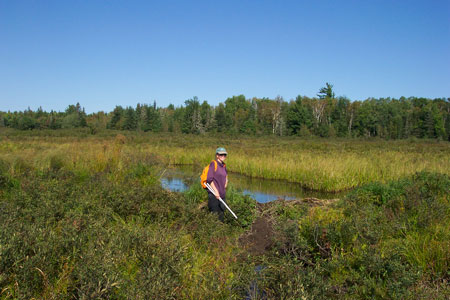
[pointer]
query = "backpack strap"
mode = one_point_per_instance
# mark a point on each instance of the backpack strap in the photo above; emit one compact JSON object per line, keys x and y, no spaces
{"x":215,"y":165}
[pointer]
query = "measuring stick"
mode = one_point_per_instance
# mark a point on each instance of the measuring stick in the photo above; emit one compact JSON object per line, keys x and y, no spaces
{"x":223,"y":202}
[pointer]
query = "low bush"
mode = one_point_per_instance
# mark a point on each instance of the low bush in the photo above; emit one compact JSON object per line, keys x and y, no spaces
{"x":382,"y":241}
{"x":242,"y":205}
{"x":113,"y":237}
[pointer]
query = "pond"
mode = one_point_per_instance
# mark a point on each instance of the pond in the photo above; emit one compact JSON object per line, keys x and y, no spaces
{"x":179,"y":178}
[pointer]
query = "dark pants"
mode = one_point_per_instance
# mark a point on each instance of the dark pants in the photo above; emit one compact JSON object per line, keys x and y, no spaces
{"x":216,"y":206}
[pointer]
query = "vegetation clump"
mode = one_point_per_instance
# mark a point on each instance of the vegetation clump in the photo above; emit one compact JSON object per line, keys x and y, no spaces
{"x":385,"y":241}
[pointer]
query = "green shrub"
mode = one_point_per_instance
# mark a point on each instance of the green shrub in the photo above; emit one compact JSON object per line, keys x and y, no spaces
{"x":195,"y":194}
{"x":381,"y":242}
{"x":242,"y":205}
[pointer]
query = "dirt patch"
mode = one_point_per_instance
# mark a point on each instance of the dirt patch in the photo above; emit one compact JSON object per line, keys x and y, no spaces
{"x":259,"y":239}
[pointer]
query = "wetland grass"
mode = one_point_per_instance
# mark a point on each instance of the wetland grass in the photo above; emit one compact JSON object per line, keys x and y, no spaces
{"x":315,"y":164}
{"x":327,"y":165}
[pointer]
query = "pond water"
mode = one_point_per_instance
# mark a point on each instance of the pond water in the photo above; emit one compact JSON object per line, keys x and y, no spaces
{"x":179,"y":178}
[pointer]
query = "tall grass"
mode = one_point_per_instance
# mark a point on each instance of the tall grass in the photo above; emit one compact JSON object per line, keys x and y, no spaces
{"x":316,"y":164}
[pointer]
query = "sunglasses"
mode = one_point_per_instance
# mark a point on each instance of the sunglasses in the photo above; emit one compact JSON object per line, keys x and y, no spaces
{"x":222,"y":154}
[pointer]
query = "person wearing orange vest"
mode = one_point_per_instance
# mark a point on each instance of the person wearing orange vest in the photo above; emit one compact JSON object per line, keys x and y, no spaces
{"x":218,"y":179}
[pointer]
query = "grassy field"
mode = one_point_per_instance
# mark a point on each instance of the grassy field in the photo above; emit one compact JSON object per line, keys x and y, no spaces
{"x":85,"y":217}
{"x":316,"y":164}
{"x":328,"y":165}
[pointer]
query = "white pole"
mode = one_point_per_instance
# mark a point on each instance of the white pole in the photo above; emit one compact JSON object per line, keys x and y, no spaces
{"x":220,"y":199}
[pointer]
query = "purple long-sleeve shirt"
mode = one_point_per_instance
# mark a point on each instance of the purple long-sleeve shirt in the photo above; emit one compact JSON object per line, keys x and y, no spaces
{"x":219,"y":177}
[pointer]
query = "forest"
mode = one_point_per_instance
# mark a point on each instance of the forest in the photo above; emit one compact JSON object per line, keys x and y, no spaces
{"x":323,"y":116}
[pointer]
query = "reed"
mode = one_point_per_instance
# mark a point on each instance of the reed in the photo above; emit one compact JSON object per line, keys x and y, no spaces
{"x":315,"y":164}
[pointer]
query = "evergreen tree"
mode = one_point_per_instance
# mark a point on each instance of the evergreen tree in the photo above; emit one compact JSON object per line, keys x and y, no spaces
{"x":130,"y":119}
{"x":116,"y":118}
{"x":237,"y":112}
{"x":326,"y":92}
{"x":206,"y":116}
{"x":339,"y":116}
{"x":192,"y":122}
{"x":298,"y":116}
{"x":220,"y":118}
{"x":154,"y":119}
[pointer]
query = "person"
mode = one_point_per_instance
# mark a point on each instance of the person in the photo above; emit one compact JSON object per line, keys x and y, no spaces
{"x":218,"y":179}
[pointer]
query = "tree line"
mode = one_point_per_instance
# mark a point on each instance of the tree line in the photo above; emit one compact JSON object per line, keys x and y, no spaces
{"x":325,"y":116}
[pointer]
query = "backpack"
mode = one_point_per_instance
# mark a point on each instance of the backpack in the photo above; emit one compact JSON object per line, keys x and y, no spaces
{"x":205,"y":174}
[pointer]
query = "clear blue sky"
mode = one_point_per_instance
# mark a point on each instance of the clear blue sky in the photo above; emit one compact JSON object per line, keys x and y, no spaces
{"x":107,"y":53}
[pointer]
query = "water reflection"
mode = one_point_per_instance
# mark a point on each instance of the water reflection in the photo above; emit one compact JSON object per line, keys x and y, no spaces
{"x":173,"y":184}
{"x":179,"y":179}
